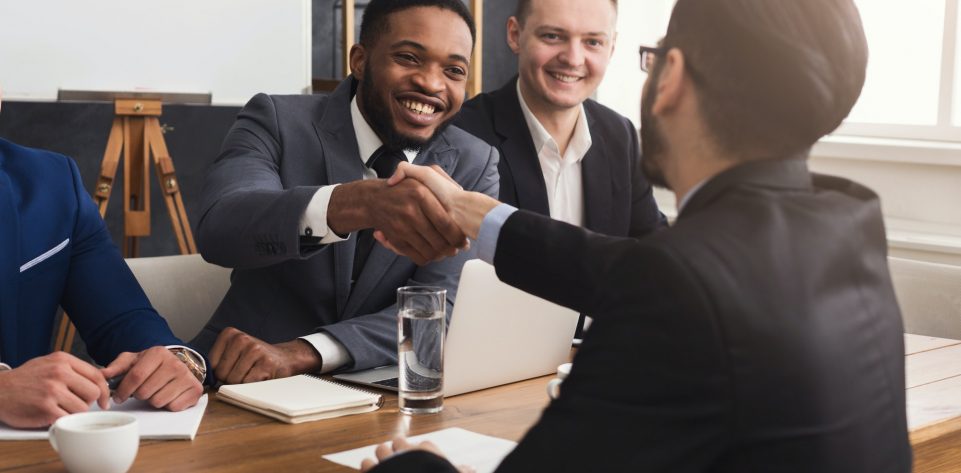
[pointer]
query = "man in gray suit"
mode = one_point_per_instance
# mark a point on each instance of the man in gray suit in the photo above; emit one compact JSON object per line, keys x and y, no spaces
{"x":291,"y":201}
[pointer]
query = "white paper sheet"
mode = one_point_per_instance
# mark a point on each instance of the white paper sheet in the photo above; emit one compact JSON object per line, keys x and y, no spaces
{"x":155,"y":424}
{"x":462,"y":447}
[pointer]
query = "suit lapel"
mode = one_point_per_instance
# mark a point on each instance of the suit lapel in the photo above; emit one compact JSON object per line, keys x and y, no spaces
{"x":597,"y":179}
{"x":342,"y":160}
{"x":381,"y":260}
{"x":518,"y":153}
{"x":9,"y":267}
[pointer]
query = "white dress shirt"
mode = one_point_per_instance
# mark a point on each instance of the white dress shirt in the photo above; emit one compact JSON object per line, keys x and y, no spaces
{"x":332,"y":353}
{"x":562,"y":174}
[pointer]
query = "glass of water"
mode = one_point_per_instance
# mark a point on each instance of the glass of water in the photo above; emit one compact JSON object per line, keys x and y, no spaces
{"x":421,"y":324}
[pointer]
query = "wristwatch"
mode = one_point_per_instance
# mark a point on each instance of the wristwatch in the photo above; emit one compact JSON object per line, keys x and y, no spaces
{"x":189,"y":358}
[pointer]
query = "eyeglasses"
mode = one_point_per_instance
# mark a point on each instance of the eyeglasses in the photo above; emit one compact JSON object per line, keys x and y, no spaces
{"x":649,"y":55}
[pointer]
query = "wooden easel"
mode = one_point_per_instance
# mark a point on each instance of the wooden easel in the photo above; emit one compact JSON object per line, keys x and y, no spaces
{"x":137,"y":133}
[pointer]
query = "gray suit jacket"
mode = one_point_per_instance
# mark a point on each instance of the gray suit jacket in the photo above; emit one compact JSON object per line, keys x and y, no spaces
{"x":277,"y":154}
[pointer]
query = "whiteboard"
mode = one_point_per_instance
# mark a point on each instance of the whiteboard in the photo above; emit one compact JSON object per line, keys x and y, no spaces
{"x":231,"y":49}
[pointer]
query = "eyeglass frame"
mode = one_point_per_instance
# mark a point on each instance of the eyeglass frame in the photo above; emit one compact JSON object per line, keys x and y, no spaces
{"x":648,"y":55}
{"x":653,"y":52}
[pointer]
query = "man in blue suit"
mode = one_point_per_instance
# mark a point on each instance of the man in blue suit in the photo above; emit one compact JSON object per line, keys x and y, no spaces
{"x":55,"y":251}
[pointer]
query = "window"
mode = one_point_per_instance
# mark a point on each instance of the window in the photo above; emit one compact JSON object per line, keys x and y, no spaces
{"x":909,"y":92}
{"x":911,"y":79}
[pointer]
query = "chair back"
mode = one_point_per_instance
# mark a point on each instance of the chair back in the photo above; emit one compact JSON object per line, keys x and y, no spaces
{"x":184,"y":289}
{"x":929,"y":295}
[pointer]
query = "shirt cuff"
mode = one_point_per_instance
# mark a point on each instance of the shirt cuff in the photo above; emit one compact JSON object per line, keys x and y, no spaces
{"x":315,"y":217}
{"x":333,"y":355}
{"x":200,"y":359}
{"x":490,"y":231}
{"x":5,"y":367}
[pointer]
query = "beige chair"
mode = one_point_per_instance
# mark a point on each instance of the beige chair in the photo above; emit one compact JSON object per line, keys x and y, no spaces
{"x":184,"y":289}
{"x":929,"y":295}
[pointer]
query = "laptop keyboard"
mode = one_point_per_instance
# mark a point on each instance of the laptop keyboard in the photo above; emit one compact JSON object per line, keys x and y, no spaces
{"x":391,"y":383}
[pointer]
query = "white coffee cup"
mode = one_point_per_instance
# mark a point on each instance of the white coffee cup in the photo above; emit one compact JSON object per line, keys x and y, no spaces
{"x":96,"y":442}
{"x":554,"y":387}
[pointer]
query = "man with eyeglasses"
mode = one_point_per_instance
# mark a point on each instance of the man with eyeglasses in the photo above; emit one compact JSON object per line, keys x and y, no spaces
{"x":760,"y":333}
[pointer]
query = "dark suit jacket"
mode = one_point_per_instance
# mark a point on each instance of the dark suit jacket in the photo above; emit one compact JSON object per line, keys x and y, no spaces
{"x":759,"y":334}
{"x":55,"y":251}
{"x":617,"y":198}
{"x":276,"y":156}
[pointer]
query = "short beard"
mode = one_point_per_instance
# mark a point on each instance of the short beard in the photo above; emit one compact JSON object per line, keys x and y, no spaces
{"x":652,"y":140}
{"x":378,"y":116}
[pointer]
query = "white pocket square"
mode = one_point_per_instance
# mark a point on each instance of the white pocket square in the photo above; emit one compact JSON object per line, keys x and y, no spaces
{"x":46,"y":255}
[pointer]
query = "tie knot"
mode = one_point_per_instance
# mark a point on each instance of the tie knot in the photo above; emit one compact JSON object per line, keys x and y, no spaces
{"x":384,"y":161}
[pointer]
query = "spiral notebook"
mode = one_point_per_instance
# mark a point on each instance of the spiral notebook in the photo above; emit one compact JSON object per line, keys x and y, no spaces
{"x":301,"y":398}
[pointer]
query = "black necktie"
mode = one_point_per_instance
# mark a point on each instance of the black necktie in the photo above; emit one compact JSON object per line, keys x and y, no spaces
{"x":384,"y":162}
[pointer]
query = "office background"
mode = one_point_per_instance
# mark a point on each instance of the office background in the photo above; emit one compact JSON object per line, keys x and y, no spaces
{"x":80,"y":130}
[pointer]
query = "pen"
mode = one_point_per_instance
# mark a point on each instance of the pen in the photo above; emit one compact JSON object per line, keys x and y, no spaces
{"x":114,"y":383}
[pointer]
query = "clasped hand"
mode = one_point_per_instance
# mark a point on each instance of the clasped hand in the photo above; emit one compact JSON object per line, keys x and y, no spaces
{"x":465,"y":209}
{"x":49,"y":387}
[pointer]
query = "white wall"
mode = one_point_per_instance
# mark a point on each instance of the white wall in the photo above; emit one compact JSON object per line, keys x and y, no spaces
{"x":229,"y":48}
{"x":639,"y":22}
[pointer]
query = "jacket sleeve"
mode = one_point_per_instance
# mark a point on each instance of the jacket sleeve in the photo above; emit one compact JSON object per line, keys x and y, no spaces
{"x":101,"y":295}
{"x":371,"y":339}
{"x":248,"y":219}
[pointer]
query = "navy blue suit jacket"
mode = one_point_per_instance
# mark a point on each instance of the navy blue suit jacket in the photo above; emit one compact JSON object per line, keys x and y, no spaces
{"x":55,"y":251}
{"x":618,"y":200}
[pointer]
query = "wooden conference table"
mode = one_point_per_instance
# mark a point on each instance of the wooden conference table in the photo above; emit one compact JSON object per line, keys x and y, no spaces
{"x":235,"y":440}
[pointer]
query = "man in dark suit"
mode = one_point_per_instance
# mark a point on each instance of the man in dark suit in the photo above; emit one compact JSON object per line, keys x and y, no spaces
{"x":301,"y":177}
{"x":563,"y":154}
{"x":55,"y":251}
{"x":759,"y":333}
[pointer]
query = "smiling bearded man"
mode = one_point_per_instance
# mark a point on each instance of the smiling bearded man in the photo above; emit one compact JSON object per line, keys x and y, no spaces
{"x":300,"y":182}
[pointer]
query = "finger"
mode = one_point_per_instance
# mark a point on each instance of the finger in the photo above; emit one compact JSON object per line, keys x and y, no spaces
{"x":399,"y":174}
{"x":465,"y":469}
{"x":380,"y":237}
{"x":92,"y":374}
{"x":383,"y":451}
{"x":216,"y":351}
{"x":69,"y":401}
{"x":246,"y":362}
{"x":401,"y":444}
{"x":444,"y":225}
{"x":120,"y":365}
{"x":82,"y":388}
{"x":430,"y":447}
{"x":54,"y":413}
{"x":233,"y":349}
{"x":413,"y":246}
{"x":168,"y":392}
{"x":188,"y":398}
{"x":166,"y":371}
{"x":367,"y":465}
{"x":261,"y":371}
{"x":439,"y":170}
{"x":143,"y":368}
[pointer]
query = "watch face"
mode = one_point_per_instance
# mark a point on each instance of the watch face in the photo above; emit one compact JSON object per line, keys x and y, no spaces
{"x":189,"y":359}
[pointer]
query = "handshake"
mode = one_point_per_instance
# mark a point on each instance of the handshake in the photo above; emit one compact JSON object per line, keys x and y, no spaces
{"x":425,"y":215}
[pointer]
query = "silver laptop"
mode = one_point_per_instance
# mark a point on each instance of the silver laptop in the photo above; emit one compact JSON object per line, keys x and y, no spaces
{"x":497,"y":335}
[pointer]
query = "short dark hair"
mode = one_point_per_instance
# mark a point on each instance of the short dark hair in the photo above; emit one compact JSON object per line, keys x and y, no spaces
{"x":374,"y":23}
{"x":772,"y":76}
{"x":523,"y":10}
